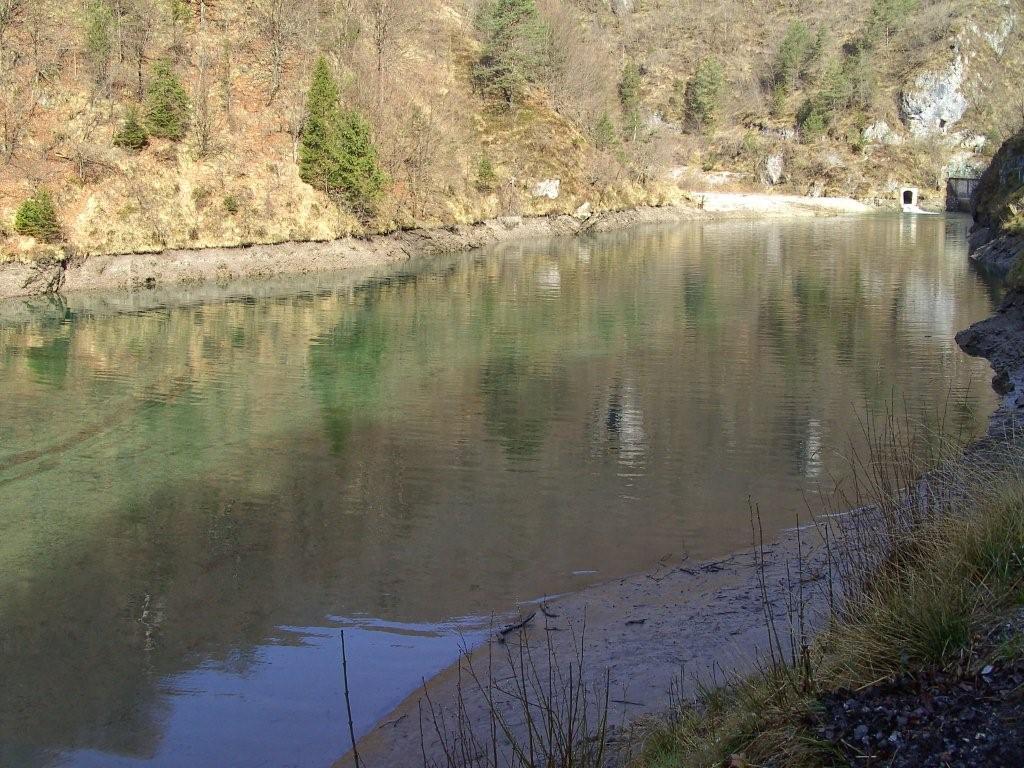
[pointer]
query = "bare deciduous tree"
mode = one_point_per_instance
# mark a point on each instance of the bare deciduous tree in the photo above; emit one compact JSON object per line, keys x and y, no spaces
{"x":137,"y":31}
{"x":276,"y":22}
{"x":390,"y":23}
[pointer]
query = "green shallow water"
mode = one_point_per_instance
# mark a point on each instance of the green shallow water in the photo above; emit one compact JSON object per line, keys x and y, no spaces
{"x":193,"y":492}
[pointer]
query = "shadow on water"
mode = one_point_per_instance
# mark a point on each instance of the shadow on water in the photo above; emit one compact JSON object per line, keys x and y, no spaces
{"x":194,"y":490}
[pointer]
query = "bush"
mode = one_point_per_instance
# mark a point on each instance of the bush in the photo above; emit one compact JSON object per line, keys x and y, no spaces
{"x":37,"y":217}
{"x":704,"y":94}
{"x":231,"y":204}
{"x":132,"y":134}
{"x":167,"y":105}
{"x":337,"y":153}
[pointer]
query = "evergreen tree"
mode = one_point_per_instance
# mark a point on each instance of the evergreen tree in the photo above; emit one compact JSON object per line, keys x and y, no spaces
{"x":704,"y":94}
{"x":337,"y":153}
{"x":604,"y":132}
{"x":317,"y":165}
{"x":629,"y":97}
{"x":37,"y":217}
{"x":362,"y":181}
{"x":514,"y":48}
{"x":885,"y":18}
{"x":99,"y":42}
{"x":486,"y":177}
{"x":132,"y":134}
{"x":794,"y":55}
{"x":167,"y":106}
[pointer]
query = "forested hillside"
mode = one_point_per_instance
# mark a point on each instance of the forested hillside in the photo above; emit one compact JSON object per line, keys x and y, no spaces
{"x":145,"y":124}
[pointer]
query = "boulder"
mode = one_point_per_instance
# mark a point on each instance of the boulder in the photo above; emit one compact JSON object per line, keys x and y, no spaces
{"x":773,"y":169}
{"x":584,"y":212}
{"x":934,"y":103}
{"x":549,"y":188}
{"x":880,"y":133}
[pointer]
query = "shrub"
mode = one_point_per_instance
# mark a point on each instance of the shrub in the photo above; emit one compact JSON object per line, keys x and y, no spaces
{"x":167,"y":105}
{"x":232,"y":205}
{"x":132,"y":134}
{"x":37,"y":217}
{"x":337,"y":153}
{"x":514,"y":49}
{"x":704,"y":94}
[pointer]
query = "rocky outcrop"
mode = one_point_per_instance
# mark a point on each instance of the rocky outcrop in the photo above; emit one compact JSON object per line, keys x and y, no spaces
{"x":997,"y":239}
{"x":934,"y":102}
{"x":1000,"y":340}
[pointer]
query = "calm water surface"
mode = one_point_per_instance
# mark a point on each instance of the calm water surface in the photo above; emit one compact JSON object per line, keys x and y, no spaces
{"x":196,"y":496}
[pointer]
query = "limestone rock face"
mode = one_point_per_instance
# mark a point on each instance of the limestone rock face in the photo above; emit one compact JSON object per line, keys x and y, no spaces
{"x":549,"y":188}
{"x":934,"y":102}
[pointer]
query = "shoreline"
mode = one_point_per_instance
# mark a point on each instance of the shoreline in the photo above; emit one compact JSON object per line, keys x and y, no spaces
{"x":136,"y":272}
{"x":656,"y":634}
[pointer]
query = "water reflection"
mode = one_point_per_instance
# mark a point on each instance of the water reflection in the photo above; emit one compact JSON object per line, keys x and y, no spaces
{"x":184,"y":481}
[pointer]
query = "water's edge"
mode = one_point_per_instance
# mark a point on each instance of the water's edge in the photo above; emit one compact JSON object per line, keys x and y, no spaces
{"x":142,"y":271}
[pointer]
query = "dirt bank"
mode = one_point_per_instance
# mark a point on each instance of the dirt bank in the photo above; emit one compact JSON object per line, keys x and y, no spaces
{"x":140,"y":271}
{"x":653,"y":634}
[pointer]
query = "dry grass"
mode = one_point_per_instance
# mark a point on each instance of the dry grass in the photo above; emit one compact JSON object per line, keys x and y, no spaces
{"x":925,"y":570}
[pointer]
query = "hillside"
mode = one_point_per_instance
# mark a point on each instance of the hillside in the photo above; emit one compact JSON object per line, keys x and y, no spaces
{"x":621,"y":103}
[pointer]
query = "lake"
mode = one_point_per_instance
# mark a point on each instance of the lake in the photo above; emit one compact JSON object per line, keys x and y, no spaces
{"x":200,"y":488}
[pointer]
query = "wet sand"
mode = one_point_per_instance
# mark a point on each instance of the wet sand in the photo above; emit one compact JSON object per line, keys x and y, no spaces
{"x":652,"y":636}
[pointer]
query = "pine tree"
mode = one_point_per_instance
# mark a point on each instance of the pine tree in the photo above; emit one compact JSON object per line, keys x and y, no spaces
{"x":132,"y":134}
{"x":337,"y":153}
{"x":486,"y":176}
{"x":37,"y":217}
{"x":317,"y":155}
{"x":99,"y":42}
{"x":362,"y":181}
{"x":629,"y":97}
{"x":167,"y":106}
{"x":704,"y":93}
{"x":604,"y":132}
{"x":514,"y":48}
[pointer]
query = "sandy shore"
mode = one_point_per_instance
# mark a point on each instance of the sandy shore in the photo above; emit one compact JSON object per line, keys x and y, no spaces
{"x":135,"y":272}
{"x":653,"y":635}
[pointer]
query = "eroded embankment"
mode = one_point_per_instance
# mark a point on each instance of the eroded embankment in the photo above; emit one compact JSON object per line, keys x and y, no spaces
{"x":140,"y":271}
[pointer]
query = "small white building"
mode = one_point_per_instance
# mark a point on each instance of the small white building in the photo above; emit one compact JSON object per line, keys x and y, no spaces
{"x":908,"y":199}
